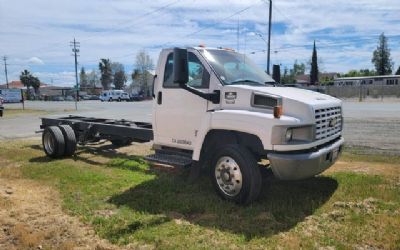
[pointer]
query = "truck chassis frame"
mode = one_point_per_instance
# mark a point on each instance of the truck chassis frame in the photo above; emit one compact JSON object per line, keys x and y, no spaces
{"x":88,"y":129}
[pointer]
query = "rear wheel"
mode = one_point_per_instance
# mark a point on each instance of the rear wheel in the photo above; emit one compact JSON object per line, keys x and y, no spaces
{"x":236,"y":176}
{"x":53,"y":142}
{"x":69,"y":138}
{"x":1,"y":113}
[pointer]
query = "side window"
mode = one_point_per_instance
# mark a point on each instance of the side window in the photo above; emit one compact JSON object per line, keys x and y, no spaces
{"x":168,"y":72}
{"x":198,"y":75}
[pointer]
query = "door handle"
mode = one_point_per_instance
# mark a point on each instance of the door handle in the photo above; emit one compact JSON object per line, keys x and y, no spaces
{"x":159,"y":98}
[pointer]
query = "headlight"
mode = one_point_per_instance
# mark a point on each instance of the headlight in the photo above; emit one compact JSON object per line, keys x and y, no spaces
{"x":289,"y":134}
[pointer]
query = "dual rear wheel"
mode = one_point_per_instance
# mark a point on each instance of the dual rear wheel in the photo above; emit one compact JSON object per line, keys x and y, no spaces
{"x":59,"y":141}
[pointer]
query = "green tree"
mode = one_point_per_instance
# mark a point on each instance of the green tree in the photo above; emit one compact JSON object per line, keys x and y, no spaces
{"x":381,"y":57}
{"x":314,"y":67}
{"x":119,"y":79}
{"x":116,"y":66}
{"x":106,"y":73}
{"x":83,"y":78}
{"x":35,"y":83}
{"x":398,"y":71}
{"x":28,"y":80}
{"x":298,"y":68}
{"x":361,"y":72}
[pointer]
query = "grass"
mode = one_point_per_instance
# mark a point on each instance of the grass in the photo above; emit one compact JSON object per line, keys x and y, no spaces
{"x":128,"y":201}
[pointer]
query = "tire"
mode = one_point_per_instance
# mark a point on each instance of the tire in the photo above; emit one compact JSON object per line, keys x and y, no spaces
{"x":110,"y":100}
{"x":235,"y":174}
{"x":1,"y":113}
{"x":121,"y":142}
{"x":53,"y":142}
{"x":119,"y":99}
{"x":69,"y":138}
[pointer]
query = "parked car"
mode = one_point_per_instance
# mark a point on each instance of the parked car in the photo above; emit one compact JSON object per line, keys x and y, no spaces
{"x":69,"y":98}
{"x":114,"y":95}
{"x":94,"y":97}
{"x":58,"y":98}
{"x":1,"y":106}
{"x":136,"y":97}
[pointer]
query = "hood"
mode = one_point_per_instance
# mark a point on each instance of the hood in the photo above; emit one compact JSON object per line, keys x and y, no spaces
{"x":295,"y":102}
{"x":301,"y":95}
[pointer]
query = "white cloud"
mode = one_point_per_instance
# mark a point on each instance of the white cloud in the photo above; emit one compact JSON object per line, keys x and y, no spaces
{"x":35,"y":61}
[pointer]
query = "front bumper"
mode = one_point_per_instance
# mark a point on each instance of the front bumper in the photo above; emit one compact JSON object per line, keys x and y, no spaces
{"x":293,"y":166}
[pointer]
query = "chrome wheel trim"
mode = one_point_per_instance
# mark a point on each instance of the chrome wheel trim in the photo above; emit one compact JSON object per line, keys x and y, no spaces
{"x":48,"y":142}
{"x":228,"y":176}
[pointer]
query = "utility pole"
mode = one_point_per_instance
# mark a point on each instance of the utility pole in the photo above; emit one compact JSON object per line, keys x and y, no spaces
{"x":75,"y":48}
{"x":5,"y":69}
{"x":238,"y":35}
{"x":269,"y":36}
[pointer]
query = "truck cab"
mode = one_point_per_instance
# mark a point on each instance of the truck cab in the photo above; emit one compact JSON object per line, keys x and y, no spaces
{"x":225,"y":113}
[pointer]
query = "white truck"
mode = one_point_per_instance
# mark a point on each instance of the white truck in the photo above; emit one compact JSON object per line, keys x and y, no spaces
{"x":214,"y":108}
{"x":114,"y":95}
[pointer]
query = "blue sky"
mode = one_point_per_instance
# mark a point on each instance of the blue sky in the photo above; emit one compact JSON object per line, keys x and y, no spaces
{"x":35,"y":34}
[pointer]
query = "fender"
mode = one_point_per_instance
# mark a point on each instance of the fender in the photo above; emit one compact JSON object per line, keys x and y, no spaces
{"x":239,"y":120}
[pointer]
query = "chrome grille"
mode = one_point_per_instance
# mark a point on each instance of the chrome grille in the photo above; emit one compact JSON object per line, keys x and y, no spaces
{"x":328,"y":122}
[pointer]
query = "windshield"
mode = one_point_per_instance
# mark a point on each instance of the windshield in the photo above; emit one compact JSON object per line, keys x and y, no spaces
{"x":234,"y":68}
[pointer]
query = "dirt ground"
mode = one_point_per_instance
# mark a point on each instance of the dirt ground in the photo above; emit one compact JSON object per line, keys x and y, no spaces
{"x":31,"y":218}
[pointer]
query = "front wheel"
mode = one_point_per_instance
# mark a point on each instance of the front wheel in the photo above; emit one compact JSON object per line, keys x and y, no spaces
{"x":236,"y":176}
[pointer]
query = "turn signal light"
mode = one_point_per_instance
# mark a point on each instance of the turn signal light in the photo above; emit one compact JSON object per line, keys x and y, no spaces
{"x":277,"y":111}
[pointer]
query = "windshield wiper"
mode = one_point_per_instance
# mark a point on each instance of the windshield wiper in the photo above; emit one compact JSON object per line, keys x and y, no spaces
{"x":271,"y":83}
{"x":245,"y":81}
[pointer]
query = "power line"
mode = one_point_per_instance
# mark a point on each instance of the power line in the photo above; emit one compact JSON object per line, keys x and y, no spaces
{"x":201,"y":29}
{"x":75,"y":48}
{"x":113,"y":28}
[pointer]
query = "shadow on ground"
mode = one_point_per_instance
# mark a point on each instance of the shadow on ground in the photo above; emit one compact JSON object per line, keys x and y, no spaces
{"x":282,"y":204}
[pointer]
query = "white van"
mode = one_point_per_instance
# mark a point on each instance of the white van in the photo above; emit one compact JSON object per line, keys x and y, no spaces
{"x":114,"y":95}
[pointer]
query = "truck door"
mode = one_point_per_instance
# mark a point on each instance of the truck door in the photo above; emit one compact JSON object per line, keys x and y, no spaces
{"x":179,"y":113}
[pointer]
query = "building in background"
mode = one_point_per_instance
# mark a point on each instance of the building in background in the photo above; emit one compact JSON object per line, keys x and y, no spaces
{"x":368,"y":80}
{"x":326,"y":78}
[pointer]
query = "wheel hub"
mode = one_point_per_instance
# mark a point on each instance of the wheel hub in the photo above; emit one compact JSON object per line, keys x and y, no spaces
{"x":228,"y":176}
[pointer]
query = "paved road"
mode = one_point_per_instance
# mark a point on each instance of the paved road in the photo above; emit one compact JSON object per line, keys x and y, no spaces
{"x":26,"y":125}
{"x":371,"y":125}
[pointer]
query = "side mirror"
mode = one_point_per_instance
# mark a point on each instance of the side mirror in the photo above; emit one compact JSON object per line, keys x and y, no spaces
{"x":181,"y":72}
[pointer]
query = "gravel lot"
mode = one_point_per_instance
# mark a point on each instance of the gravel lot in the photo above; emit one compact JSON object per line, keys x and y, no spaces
{"x":374,"y":124}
